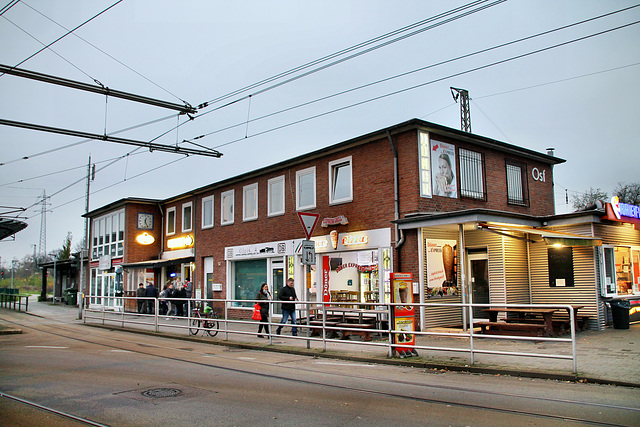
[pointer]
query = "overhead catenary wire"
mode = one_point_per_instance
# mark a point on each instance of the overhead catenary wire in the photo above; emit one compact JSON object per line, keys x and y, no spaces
{"x":350,"y":49}
{"x":107,"y":54}
{"x":66,"y":34}
{"x":387,"y":79}
{"x":456,"y":74}
{"x":403,"y":90}
{"x":376,"y":98}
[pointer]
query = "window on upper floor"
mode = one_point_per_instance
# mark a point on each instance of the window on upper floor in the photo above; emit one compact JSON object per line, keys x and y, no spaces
{"x":171,"y":221}
{"x":424,"y":156}
{"x":108,"y":235}
{"x":471,"y":174}
{"x":516,"y":184}
{"x":275,"y":196}
{"x":207,"y":212}
{"x":306,"y":189}
{"x":227,"y":207}
{"x":340,"y":181}
{"x":187,"y":209}
{"x":250,"y":202}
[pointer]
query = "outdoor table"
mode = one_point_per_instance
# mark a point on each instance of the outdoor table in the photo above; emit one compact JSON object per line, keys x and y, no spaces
{"x":546,"y":313}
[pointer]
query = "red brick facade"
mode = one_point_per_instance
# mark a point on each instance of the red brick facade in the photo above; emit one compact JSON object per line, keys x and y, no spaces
{"x":373,"y":207}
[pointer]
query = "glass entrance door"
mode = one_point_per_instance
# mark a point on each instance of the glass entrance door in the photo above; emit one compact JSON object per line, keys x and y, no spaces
{"x":479,"y":281}
{"x":277,"y":282}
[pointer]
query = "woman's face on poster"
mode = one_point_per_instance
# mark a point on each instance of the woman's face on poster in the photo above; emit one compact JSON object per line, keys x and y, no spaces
{"x":443,"y":167}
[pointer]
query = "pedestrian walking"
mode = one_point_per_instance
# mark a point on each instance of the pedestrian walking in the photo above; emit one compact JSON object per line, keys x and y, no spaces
{"x":288,"y":293}
{"x":263,"y":294}
{"x":140,"y":294}
{"x":152,"y":292}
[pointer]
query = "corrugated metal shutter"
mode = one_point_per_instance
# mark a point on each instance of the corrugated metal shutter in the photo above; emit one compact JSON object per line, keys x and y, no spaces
{"x":585,"y":290}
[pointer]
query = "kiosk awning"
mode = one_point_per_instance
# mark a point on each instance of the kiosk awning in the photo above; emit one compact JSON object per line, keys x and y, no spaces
{"x":158,"y":263}
{"x":550,"y":237}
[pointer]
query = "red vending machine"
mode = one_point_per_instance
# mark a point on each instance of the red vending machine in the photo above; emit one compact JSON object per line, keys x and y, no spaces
{"x":403,"y":317}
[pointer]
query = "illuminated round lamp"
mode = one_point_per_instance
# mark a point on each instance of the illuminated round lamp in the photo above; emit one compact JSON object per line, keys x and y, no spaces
{"x":145,"y":238}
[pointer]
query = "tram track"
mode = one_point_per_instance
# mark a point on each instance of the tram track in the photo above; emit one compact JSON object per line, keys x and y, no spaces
{"x":146,"y":349}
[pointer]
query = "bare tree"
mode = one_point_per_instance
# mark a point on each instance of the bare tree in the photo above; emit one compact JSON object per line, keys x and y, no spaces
{"x":589,"y":198}
{"x":628,"y":193}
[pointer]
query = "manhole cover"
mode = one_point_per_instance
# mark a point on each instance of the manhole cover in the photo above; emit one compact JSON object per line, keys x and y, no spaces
{"x":162,"y":392}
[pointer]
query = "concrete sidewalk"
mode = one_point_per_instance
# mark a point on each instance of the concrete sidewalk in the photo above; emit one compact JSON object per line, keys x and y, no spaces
{"x":611,"y":356}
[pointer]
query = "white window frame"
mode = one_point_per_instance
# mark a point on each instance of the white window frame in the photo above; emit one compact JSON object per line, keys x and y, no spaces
{"x":299,"y":175}
{"x":227,"y":195}
{"x":275,"y":210}
{"x":333,"y":168}
{"x":113,"y":247}
{"x":186,"y":206}
{"x":424,"y":164}
{"x":250,"y":199}
{"x":173,"y":223}
{"x":207,"y":222}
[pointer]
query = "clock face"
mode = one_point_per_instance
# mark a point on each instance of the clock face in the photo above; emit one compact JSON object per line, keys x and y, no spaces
{"x":145,"y":221}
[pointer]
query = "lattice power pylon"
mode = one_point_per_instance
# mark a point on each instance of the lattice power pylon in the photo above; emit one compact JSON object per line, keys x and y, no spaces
{"x":465,"y":113}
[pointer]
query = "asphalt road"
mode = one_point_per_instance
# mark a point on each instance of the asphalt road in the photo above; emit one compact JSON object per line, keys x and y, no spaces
{"x":117,"y":378}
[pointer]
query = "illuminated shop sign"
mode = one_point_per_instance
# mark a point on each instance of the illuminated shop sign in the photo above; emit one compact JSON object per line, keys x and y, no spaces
{"x":180,"y":242}
{"x":360,"y":268}
{"x":145,"y":239}
{"x":338,"y":220}
{"x":355,"y":240}
{"x":624,"y":209}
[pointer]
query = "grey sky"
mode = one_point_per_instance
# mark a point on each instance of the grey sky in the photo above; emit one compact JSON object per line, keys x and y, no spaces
{"x":581,"y":98}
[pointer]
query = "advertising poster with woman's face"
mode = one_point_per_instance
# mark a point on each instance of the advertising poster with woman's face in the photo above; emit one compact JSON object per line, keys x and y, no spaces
{"x":443,"y":169}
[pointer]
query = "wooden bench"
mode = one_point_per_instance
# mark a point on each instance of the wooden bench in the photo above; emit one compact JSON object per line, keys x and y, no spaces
{"x":316,"y":328}
{"x":501,"y":327}
{"x":362,"y":330}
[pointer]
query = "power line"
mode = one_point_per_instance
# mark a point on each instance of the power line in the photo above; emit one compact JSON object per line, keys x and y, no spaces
{"x":66,"y":34}
{"x":353,"y":48}
{"x":64,"y":147}
{"x":395,"y":93}
{"x":376,"y":98}
{"x":409,"y":72}
{"x":99,"y":89}
{"x":107,"y":54}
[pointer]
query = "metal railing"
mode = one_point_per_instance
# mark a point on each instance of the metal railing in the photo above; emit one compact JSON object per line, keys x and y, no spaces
{"x":236,"y":320}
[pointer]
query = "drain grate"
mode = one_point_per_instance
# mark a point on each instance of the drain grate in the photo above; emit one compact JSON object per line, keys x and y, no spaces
{"x":162,"y":392}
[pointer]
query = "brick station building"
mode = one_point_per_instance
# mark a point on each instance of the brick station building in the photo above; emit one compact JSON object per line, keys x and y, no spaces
{"x":389,"y":201}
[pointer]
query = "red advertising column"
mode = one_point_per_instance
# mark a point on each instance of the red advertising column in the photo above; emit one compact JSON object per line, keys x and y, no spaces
{"x":403,"y":316}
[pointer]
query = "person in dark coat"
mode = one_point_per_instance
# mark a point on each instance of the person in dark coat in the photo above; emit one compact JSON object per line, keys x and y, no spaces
{"x":180,"y":293}
{"x":140,"y":293}
{"x":151,"y":291}
{"x":288,"y":293}
{"x":263,"y":294}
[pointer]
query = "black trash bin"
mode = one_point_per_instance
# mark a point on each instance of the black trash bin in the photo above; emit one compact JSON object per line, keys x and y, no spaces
{"x":620,"y":313}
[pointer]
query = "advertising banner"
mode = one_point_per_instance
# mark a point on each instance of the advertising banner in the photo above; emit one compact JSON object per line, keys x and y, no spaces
{"x":441,"y":268}
{"x":403,"y":316}
{"x":443,"y":169}
{"x":326,"y":269}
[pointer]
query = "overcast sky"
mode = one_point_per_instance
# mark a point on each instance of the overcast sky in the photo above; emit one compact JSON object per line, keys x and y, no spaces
{"x":581,"y":98}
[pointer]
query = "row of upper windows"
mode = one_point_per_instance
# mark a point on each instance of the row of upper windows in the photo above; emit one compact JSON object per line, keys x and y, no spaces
{"x":438,"y":174}
{"x":108,"y":235}
{"x":340,"y":191}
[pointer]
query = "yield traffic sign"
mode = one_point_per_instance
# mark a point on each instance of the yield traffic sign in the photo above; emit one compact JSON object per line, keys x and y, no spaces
{"x":309,"y":221}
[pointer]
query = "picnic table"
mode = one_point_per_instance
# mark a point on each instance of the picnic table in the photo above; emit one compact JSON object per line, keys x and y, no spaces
{"x":521,"y":322}
{"x":348,"y":321}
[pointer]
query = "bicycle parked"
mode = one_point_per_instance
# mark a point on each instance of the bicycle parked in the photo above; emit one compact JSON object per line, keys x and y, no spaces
{"x":206,"y":321}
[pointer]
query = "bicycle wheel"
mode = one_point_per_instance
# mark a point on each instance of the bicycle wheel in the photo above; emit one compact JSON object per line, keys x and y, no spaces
{"x":211,"y":325}
{"x":195,"y":327}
